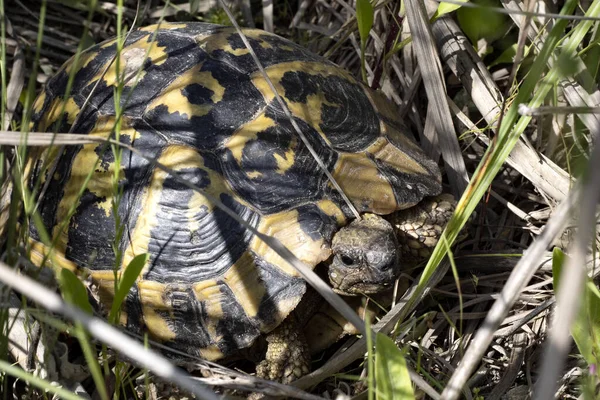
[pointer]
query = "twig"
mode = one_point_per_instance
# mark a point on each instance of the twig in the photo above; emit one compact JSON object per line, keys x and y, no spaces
{"x":433,"y":79}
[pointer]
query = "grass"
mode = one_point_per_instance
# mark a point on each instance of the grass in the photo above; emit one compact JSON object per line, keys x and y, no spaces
{"x":543,"y":76}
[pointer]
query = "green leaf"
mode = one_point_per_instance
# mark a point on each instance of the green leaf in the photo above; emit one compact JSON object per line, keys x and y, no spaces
{"x":508,"y":55}
{"x":558,"y":260}
{"x":481,"y":22}
{"x":364,"y":18}
{"x":445,"y":8}
{"x":73,"y":290}
{"x":127,"y":280}
{"x":391,"y":373}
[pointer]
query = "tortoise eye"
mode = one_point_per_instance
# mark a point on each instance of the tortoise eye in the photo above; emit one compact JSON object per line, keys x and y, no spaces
{"x":347,"y":260}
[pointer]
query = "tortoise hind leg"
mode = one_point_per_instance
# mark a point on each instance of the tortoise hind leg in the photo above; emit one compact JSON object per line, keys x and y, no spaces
{"x":287,"y":356}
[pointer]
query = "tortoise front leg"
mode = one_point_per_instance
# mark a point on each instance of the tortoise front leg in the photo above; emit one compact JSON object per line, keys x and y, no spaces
{"x":287,"y":356}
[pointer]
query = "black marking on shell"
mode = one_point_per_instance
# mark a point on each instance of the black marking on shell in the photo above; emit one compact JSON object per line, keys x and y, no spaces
{"x":277,"y":50}
{"x":272,"y":191}
{"x":90,"y":227}
{"x":179,"y":251}
{"x":92,"y":247}
{"x":315,"y":223}
{"x":133,"y":308}
{"x":241,"y":100}
{"x":408,"y":188}
{"x":48,"y":207}
{"x":280,"y":287}
{"x":187,"y":318}
{"x":236,"y":329}
{"x":350,"y":124}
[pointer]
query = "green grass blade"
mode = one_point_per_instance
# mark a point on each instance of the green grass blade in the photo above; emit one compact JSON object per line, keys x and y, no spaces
{"x":75,"y":293}
{"x":364,"y":20}
{"x":127,"y":280}
{"x":73,"y":290}
{"x":391,"y":373}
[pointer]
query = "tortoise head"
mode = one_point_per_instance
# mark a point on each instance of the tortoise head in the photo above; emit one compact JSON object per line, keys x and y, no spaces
{"x":365,"y":257}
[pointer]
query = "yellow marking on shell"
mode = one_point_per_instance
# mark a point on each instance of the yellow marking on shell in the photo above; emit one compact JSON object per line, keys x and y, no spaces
{"x":332,"y":209}
{"x":39,"y":102}
{"x":172,"y":96}
{"x":254,"y":174}
{"x":55,"y":112}
{"x":284,"y":307}
{"x":84,"y":59}
{"x":101,"y":182}
{"x":152,"y":300}
{"x":132,"y":60}
{"x":244,"y":281}
{"x":246,"y":133}
{"x":386,"y":109}
{"x":385,"y":151}
{"x":209,"y":293}
{"x":399,"y":139}
{"x":265,"y":45}
{"x":219,"y":41}
{"x":285,"y":227}
{"x":285,"y":162}
{"x":211,"y":353}
{"x":163,"y":27}
{"x":360,"y":179}
{"x":55,"y":259}
{"x":249,"y":132}
{"x":310,"y":110}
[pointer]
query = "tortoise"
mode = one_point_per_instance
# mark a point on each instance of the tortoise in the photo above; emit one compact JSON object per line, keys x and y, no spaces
{"x":193,"y":99}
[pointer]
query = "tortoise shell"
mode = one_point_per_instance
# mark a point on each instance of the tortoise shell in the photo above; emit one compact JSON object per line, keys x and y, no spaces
{"x":192,"y":98}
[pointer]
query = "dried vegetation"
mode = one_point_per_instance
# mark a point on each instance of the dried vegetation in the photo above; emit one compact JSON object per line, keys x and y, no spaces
{"x":455,"y":95}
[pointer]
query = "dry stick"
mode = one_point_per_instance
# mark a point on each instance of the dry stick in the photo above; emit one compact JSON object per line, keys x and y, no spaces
{"x":267,"y":8}
{"x":570,"y":290}
{"x":517,"y":280}
{"x":15,"y":85}
{"x":431,"y":71}
{"x":131,"y":348}
{"x":44,"y":139}
{"x":287,"y":112}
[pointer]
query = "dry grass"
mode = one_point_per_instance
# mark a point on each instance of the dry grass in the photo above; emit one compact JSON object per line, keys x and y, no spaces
{"x":454,"y":105}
